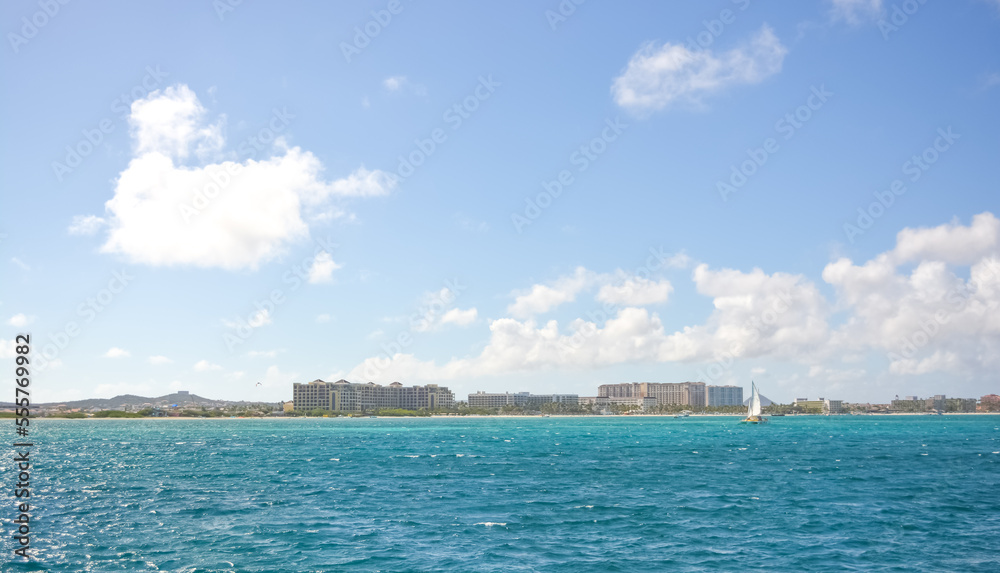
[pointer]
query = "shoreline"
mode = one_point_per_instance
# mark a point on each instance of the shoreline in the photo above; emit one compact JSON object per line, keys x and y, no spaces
{"x":520,"y":416}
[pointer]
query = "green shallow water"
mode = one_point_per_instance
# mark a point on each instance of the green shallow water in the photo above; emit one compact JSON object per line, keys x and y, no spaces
{"x":512,"y":494}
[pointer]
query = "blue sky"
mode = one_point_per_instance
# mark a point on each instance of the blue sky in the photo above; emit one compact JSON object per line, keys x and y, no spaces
{"x":206,"y":196}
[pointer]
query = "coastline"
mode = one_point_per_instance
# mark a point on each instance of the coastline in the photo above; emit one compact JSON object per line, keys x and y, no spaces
{"x":524,"y":416}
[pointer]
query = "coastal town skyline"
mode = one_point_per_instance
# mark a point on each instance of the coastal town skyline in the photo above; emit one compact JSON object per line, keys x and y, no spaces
{"x":718,"y":192}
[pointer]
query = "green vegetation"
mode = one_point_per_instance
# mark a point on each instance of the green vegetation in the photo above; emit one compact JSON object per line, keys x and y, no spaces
{"x":116,"y":414}
{"x":402,"y":412}
{"x":73,"y":415}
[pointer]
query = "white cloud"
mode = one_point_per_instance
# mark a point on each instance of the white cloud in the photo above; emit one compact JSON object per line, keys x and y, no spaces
{"x":393,"y":83}
{"x":952,"y":243}
{"x":275,"y":378}
{"x":19,"y":320}
{"x":543,"y":298}
{"x":238,"y":375}
{"x":262,"y":353}
{"x":460,"y":317}
{"x":635,"y":291}
{"x":171,"y":122}
{"x":323,"y":318}
{"x":855,"y":12}
{"x":7,"y":349}
{"x":86,"y":225}
{"x":116,"y":352}
{"x":260,"y":318}
{"x":910,"y":308}
{"x":20,"y":263}
{"x":659,"y":76}
{"x":206,"y":366}
{"x":322,"y":268}
{"x":931,"y":319}
{"x":158,"y":360}
{"x":228,"y":214}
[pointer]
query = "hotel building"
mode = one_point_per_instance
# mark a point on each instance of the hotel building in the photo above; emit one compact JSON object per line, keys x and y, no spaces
{"x":496,"y":400}
{"x":665,"y":393}
{"x":723,"y":395}
{"x":344,"y":396}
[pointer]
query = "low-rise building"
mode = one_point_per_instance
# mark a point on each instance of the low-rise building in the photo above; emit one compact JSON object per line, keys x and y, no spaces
{"x":820,"y":406}
{"x":989,"y":403}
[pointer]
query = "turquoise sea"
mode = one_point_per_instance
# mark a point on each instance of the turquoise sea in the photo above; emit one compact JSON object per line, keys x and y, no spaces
{"x":904,"y":493}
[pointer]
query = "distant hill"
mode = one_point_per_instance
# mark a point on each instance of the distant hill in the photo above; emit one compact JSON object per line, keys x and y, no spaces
{"x":764,"y":401}
{"x":182,"y":399}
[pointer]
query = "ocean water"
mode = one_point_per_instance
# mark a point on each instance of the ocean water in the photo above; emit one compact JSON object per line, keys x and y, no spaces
{"x":904,"y":493}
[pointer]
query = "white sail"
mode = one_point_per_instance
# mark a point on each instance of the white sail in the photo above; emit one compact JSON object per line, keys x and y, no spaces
{"x":754,"y":408}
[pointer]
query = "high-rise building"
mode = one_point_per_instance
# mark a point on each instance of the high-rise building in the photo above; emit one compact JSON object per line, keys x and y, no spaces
{"x":723,"y":395}
{"x":344,"y":396}
{"x":665,"y":393}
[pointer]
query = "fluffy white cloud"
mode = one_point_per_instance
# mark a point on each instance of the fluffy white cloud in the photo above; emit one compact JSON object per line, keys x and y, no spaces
{"x":158,"y":360}
{"x":86,"y":225}
{"x":323,"y":318}
{"x":7,"y":349}
{"x":635,"y":291}
{"x":460,"y":317}
{"x":228,"y":214}
{"x":658,"y":76}
{"x":206,"y":366}
{"x":322,"y":268}
{"x":116,"y":352}
{"x":19,"y":320}
{"x":910,"y":307}
{"x":931,"y":318}
{"x":171,"y":122}
{"x":855,"y":11}
{"x":543,"y":298}
{"x":953,"y":243}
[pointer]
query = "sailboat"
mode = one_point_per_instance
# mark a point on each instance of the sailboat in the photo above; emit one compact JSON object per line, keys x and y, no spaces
{"x":753,"y":408}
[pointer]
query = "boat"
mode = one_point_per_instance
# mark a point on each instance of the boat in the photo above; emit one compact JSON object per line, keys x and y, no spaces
{"x":683,"y":414}
{"x":753,"y":408}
